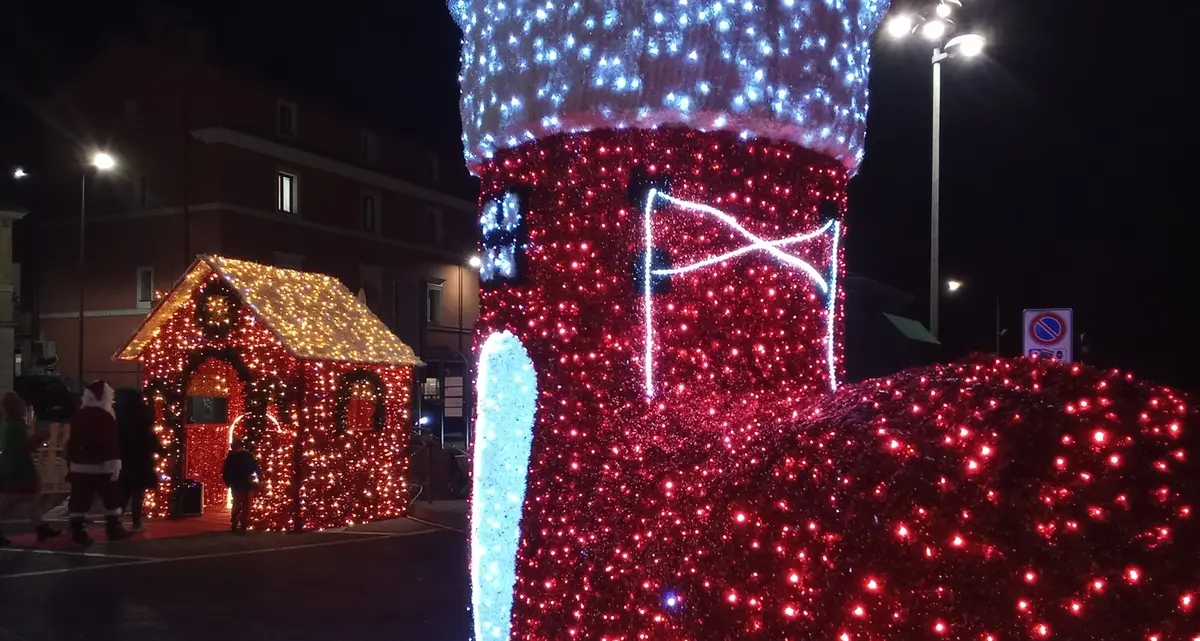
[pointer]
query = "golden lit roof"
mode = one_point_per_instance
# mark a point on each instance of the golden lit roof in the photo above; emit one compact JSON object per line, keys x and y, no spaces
{"x":314,"y":315}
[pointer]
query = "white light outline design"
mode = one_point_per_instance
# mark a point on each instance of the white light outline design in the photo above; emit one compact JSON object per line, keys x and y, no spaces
{"x":828,"y":288}
{"x":648,"y":305}
{"x":506,"y":386}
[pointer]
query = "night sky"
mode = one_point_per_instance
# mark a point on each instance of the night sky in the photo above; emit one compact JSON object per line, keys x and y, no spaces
{"x":1063,"y":161}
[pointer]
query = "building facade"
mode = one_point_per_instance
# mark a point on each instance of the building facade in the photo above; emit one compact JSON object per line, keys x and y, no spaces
{"x":207,"y":162}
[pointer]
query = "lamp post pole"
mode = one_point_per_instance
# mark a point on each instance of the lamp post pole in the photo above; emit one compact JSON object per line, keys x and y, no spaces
{"x":936,"y":186}
{"x":82,"y":249}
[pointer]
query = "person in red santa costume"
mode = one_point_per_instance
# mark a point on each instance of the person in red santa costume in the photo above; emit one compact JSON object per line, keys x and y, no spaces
{"x":94,"y":463}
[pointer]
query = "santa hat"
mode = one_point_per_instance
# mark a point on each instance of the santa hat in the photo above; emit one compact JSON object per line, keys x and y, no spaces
{"x":98,"y":394}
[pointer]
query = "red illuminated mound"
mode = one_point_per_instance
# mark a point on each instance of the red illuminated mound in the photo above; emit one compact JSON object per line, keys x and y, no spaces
{"x":982,"y":500}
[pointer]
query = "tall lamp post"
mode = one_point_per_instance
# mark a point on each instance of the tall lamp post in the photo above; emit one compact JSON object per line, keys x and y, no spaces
{"x":937,"y":29}
{"x":101,"y":162}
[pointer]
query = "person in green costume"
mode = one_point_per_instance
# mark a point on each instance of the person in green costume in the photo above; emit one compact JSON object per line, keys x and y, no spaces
{"x":19,"y":483}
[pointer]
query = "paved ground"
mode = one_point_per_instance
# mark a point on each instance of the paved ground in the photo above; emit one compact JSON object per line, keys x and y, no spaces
{"x":400,"y":580}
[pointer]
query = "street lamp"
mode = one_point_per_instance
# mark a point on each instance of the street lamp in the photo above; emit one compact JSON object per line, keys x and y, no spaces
{"x":937,"y":28}
{"x":101,"y":162}
{"x":19,"y":173}
{"x":475,"y":261}
{"x":953,"y":285}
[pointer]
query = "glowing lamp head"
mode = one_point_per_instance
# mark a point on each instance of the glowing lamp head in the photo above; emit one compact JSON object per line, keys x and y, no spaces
{"x":953,"y":285}
{"x":103,"y":161}
{"x":934,"y":30}
{"x":19,"y":173}
{"x":475,"y":262}
{"x":968,"y":45}
{"x":900,"y":26}
{"x":943,"y":10}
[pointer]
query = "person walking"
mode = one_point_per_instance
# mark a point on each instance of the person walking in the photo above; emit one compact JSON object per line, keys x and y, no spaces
{"x":241,"y":474}
{"x":94,"y":463}
{"x":19,"y":483}
{"x":139,"y":444}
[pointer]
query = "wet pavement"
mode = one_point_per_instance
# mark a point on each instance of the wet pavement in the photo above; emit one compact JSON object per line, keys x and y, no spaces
{"x":399,"y":580}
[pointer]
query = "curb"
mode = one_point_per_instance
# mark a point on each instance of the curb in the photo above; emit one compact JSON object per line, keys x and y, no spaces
{"x":448,"y":514}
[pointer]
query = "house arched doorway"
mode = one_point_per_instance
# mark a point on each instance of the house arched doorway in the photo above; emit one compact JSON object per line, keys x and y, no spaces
{"x":214,"y":397}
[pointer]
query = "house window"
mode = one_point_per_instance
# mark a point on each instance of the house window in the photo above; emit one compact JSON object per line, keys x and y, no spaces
{"x":287,"y":192}
{"x":433,"y":303}
{"x":145,"y":287}
{"x":285,"y":119}
{"x":434,"y":230}
{"x":369,"y":210}
{"x":370,"y":148}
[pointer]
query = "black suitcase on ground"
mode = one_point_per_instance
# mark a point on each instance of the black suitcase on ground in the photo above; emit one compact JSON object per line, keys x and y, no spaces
{"x":188,"y":498}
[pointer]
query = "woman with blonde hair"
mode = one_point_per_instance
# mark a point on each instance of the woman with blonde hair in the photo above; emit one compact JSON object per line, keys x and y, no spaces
{"x":19,"y":484}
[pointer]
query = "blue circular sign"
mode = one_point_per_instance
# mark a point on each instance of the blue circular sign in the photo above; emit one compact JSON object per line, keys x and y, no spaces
{"x":1047,"y":328}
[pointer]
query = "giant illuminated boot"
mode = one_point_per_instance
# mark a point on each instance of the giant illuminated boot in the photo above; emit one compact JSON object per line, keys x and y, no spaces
{"x":663,"y":188}
{"x":657,"y":453}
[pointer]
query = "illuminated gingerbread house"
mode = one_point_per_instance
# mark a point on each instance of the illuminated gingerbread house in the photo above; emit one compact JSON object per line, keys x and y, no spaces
{"x":296,"y":366}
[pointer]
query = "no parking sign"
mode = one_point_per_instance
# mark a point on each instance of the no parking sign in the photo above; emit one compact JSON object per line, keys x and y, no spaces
{"x":1048,"y":333}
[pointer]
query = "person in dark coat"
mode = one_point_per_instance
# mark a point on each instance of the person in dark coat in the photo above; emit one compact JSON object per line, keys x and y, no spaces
{"x":139,"y":444}
{"x":241,"y":474}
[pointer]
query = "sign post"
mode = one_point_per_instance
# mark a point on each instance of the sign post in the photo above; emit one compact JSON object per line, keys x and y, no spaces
{"x":1049,"y":334}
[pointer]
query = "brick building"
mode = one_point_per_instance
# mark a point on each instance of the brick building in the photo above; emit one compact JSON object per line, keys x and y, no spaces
{"x":211,"y":163}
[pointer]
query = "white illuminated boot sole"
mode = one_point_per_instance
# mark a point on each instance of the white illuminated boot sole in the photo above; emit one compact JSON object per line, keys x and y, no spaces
{"x":507,"y":403}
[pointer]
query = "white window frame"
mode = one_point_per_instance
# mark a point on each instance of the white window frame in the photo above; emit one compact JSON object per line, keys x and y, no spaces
{"x":295,"y":111}
{"x":433,"y":315}
{"x":280,"y":174}
{"x":142,"y":272}
{"x":362,"y":211}
{"x":369,"y":144}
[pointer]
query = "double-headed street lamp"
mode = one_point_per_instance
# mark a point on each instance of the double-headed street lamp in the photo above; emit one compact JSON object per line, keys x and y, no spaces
{"x":100,"y":162}
{"x":938,"y":29}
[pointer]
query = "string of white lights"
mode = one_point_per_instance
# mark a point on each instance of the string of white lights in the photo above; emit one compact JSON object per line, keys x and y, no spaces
{"x":827,"y":287}
{"x":756,"y":242}
{"x":648,"y":304}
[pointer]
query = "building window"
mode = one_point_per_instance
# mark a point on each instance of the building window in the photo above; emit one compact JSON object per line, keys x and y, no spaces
{"x":287,"y":192}
{"x":285,"y":120}
{"x":370,"y":147}
{"x":145,"y":287}
{"x":433,"y":303}
{"x":369,"y":210}
{"x":434,"y":229}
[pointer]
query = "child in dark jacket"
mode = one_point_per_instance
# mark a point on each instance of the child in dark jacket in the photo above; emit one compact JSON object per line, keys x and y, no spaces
{"x":241,"y":476}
